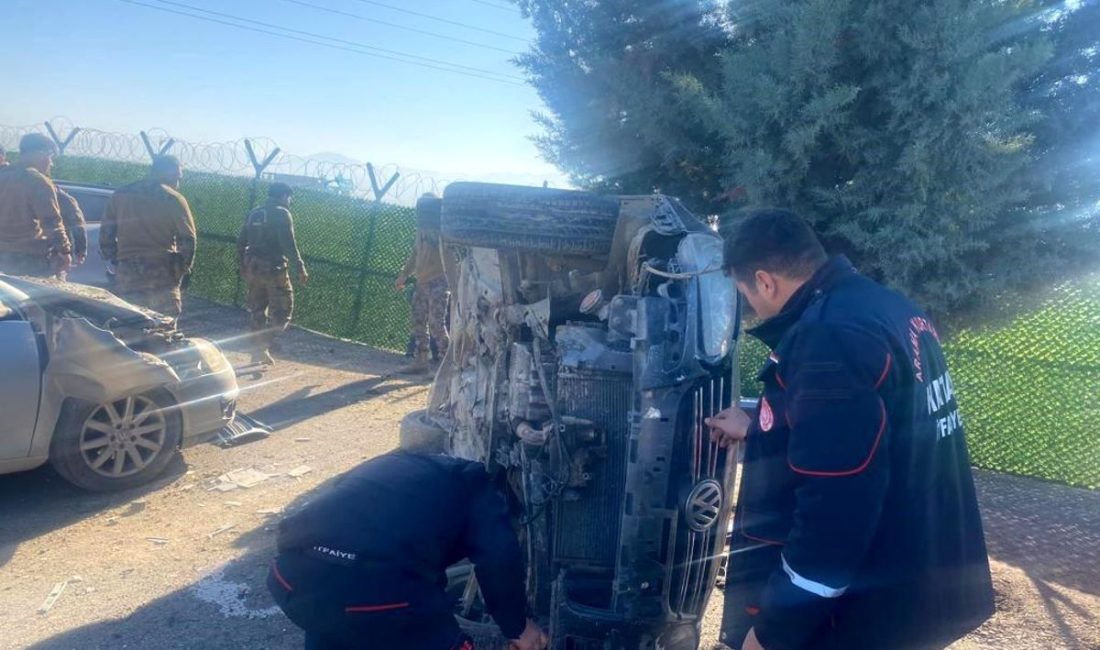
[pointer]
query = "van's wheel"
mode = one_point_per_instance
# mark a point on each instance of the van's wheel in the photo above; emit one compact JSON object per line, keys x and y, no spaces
{"x":116,"y":445}
{"x":419,"y":434}
{"x":531,"y":219}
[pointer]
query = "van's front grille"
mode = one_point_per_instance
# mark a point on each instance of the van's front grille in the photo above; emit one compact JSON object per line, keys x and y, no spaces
{"x":698,"y":531}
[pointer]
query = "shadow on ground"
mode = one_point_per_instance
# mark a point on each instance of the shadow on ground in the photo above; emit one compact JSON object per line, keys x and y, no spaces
{"x":227,"y":608}
{"x":1050,"y":531}
{"x":303,"y":404}
{"x":1030,"y":524}
{"x":42,"y":501}
{"x":228,"y":326}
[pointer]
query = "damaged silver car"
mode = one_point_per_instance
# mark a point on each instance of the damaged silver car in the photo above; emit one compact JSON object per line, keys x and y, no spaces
{"x":591,"y":337}
{"x":106,"y":392}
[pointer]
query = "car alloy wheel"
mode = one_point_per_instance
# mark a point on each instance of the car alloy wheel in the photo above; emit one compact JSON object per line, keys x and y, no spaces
{"x":123,"y":437}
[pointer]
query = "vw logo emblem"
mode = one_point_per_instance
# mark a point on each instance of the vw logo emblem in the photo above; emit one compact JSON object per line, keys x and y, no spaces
{"x":704,"y":505}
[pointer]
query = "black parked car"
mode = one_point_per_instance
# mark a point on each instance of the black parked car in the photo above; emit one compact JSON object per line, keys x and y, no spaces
{"x":591,"y":337}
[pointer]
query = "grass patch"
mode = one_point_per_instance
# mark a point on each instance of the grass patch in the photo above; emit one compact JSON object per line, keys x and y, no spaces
{"x":353,"y":249}
{"x":1028,"y":390}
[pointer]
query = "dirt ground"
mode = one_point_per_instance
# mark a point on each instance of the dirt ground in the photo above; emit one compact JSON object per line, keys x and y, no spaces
{"x":181,"y":565}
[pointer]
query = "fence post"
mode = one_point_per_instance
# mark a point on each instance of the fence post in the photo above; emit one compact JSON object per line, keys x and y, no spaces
{"x":258,"y":167}
{"x":152,"y":151}
{"x":379,"y":192}
{"x":62,"y":143}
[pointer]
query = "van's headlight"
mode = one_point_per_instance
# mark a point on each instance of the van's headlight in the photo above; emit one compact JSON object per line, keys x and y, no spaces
{"x":701,"y":255}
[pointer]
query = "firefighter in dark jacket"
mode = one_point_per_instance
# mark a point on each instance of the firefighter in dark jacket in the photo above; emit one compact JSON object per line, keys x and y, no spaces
{"x":857,"y":524}
{"x":364,"y":566}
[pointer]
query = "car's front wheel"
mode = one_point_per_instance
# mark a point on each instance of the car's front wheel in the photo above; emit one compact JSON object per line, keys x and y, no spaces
{"x":118,"y":444}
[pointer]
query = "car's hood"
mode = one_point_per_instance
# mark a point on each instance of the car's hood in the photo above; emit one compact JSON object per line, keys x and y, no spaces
{"x":98,"y":305}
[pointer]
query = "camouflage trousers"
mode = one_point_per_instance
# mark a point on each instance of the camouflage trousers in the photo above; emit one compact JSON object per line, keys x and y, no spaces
{"x":270,"y":300}
{"x":25,"y":264}
{"x":152,"y":282}
{"x":429,"y":318}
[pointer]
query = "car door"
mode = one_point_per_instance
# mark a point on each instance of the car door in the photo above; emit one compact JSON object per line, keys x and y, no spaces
{"x":93,"y":201}
{"x":20,"y":384}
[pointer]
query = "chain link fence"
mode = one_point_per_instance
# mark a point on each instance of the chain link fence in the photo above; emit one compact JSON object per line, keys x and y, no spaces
{"x":354,"y":223}
{"x":1029,"y":387}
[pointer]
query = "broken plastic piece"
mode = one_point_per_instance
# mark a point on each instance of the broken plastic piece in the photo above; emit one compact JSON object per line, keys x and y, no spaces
{"x":299,"y":471}
{"x":55,"y":593}
{"x":240,"y":430}
{"x":221,"y":530}
{"x":244,"y":478}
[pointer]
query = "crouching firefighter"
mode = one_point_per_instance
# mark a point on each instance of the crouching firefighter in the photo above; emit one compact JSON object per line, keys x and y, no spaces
{"x":364,"y":566}
{"x":857,"y":524}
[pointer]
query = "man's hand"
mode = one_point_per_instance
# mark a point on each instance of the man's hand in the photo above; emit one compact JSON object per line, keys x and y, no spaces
{"x":729,"y":426}
{"x":533,"y":638}
{"x":303,"y":278}
{"x":400,"y":284}
{"x":60,"y":262}
{"x":750,"y":642}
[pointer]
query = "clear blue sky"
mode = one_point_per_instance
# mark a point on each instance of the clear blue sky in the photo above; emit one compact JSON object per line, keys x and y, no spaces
{"x":115,"y":66}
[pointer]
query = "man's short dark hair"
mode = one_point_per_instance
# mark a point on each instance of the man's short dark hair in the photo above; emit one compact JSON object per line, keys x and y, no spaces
{"x":36,"y":143}
{"x":165,"y":163}
{"x":278,"y":190}
{"x":774,"y":240}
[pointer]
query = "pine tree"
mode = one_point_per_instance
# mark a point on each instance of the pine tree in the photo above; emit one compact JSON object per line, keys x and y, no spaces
{"x":1064,"y":173}
{"x":898,"y":128}
{"x":603,"y":69}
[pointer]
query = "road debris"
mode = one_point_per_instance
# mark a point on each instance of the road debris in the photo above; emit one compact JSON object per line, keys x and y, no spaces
{"x":271,"y":512}
{"x":299,"y":471}
{"x":302,"y":439}
{"x":233,"y":504}
{"x":55,"y":593}
{"x":223,"y":529}
{"x":135,"y":508}
{"x":245,"y":477}
{"x":159,"y":541}
{"x":241,"y":430}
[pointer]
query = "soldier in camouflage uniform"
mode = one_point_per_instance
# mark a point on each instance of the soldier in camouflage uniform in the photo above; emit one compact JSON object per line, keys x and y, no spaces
{"x":33,"y":240}
{"x":73,"y":217}
{"x":149,"y":234}
{"x":266,"y":249}
{"x":429,"y":308}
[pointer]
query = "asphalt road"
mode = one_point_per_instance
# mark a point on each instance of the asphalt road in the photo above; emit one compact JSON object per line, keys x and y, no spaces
{"x":181,"y":564}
